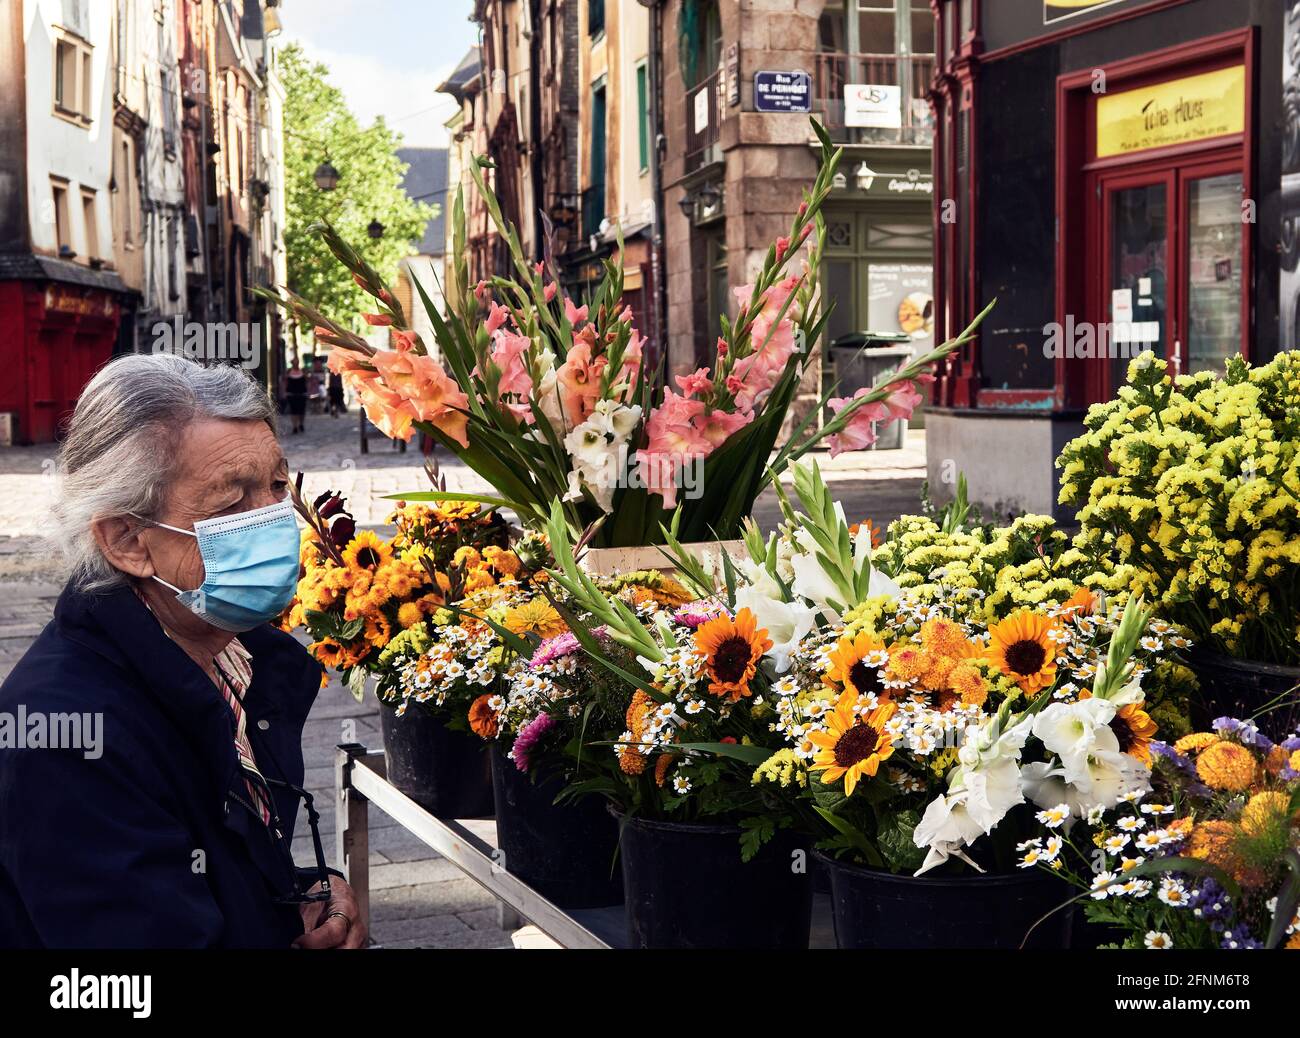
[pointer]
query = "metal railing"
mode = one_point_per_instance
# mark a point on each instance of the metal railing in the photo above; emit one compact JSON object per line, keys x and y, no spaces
{"x":910,"y":73}
{"x":703,"y":122}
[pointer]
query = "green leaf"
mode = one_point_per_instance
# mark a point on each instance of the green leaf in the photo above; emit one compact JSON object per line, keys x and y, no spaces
{"x":754,"y":755}
{"x":755,"y":832}
{"x":1287,"y":899}
{"x":451,"y":495}
{"x":857,"y":839}
{"x":896,"y":843}
{"x":355,"y":679}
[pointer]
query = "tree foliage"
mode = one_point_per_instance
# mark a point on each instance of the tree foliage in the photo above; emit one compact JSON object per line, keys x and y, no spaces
{"x":319,"y":125}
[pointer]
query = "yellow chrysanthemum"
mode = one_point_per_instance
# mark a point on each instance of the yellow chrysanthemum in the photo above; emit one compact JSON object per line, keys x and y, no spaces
{"x":907,"y":662}
{"x":1264,"y":811}
{"x":945,"y":638}
{"x":477,"y":579}
{"x":409,"y":614}
{"x":1212,"y":841}
{"x":504,"y":562}
{"x":468,"y":556}
{"x":536,"y":616}
{"x":1195,"y":742}
{"x":1227,"y":766}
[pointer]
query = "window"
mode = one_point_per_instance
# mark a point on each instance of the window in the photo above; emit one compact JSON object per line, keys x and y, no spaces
{"x":62,"y":230}
{"x":643,"y":115}
{"x":168,"y":84}
{"x":73,"y":79}
{"x":595,"y":17}
{"x":594,"y":199}
{"x":700,"y":40}
{"x":877,"y":27}
{"x":91,"y":224}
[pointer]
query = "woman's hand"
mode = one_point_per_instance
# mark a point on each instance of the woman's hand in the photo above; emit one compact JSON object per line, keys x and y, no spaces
{"x":335,"y":923}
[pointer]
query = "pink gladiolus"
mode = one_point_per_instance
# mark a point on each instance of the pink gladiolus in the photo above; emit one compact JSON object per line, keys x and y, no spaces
{"x":772,"y":343}
{"x":860,"y":433}
{"x":481,"y":291}
{"x":718,"y":425}
{"x":415,"y":386}
{"x":403,"y":341}
{"x":378,"y":320}
{"x":574,"y":314}
{"x":496,"y":317}
{"x":698,"y":381}
{"x":579,"y":378}
{"x":782,"y":247}
{"x":548,"y":293}
{"x":510,"y":355}
{"x":679,"y":432}
{"x":538,"y":267}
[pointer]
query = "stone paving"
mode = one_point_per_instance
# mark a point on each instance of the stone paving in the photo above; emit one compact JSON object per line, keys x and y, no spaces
{"x":417,"y":898}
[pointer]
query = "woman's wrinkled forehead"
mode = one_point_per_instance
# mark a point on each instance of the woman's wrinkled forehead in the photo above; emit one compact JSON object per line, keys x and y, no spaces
{"x":218,"y":457}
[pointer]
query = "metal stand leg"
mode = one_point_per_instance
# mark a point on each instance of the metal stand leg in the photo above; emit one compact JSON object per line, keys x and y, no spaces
{"x":352,"y":829}
{"x":507,"y":917}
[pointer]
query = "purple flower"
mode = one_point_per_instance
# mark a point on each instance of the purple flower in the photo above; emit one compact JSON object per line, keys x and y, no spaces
{"x":1210,"y":902}
{"x":1239,"y":937}
{"x":527,"y":740}
{"x":1247,"y":732}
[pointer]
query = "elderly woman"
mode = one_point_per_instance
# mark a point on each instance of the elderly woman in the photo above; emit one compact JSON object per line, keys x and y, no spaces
{"x":173,"y":827}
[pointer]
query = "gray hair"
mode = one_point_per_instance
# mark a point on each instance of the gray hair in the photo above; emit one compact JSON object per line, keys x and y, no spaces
{"x":120,"y":452}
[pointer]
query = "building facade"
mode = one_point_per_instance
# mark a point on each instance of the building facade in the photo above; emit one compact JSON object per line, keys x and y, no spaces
{"x":1121,"y":175}
{"x":140,"y":184}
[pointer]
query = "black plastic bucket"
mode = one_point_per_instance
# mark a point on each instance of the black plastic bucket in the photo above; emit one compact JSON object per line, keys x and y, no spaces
{"x":566,"y":852}
{"x":447,"y":773}
{"x":1238,"y":688}
{"x":687,"y":887}
{"x":874,"y":909}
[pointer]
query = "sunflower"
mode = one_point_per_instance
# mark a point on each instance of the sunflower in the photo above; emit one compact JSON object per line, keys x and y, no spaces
{"x":367,"y":551}
{"x":536,"y":616}
{"x":1134,"y":729}
{"x":731,"y":649}
{"x":378,"y":630}
{"x":852,"y":746}
{"x":849,"y":669}
{"x":482,"y":718}
{"x":328,"y":651}
{"x":1021,"y":647}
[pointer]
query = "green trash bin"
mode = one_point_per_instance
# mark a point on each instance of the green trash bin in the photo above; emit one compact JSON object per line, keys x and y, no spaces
{"x":860,"y":360}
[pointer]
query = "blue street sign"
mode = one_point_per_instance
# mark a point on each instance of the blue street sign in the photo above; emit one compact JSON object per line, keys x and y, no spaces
{"x":782,"y":92}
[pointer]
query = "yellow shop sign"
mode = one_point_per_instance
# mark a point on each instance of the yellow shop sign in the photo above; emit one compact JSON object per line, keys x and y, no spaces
{"x":1212,"y":104}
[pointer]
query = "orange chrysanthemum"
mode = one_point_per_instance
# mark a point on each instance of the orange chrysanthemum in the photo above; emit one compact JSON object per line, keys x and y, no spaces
{"x":1022,"y":648}
{"x":731,"y":649}
{"x":630,"y":760}
{"x":1212,"y":841}
{"x":848,"y":669}
{"x":907,"y":662}
{"x":1082,"y":601}
{"x":482,"y":718}
{"x":661,"y":768}
{"x":967,"y":681}
{"x":1195,"y":742}
{"x":942,"y":636}
{"x":1227,"y":766}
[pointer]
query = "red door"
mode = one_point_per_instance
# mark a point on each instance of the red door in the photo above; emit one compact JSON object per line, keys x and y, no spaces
{"x":1167,"y":265}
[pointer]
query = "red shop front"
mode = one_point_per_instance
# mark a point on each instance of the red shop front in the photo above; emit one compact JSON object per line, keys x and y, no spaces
{"x":56,"y":336}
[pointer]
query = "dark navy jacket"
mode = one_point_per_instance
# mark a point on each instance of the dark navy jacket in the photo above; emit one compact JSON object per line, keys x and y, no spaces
{"x":106,"y":852}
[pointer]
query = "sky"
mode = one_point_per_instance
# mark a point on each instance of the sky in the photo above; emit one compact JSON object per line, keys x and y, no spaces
{"x":388,"y":56}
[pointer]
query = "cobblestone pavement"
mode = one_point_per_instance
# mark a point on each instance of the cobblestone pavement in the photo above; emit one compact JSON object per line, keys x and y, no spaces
{"x":418,"y":899}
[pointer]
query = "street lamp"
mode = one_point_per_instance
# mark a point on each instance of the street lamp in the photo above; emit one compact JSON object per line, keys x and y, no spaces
{"x":865,"y":176}
{"x":375,"y":230}
{"x":687,"y":204}
{"x":326,"y":176}
{"x":271,"y":19}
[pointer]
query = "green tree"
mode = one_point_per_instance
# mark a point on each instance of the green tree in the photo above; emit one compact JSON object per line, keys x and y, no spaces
{"x":317,"y":125}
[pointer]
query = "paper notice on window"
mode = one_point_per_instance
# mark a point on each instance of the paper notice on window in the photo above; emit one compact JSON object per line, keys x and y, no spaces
{"x":1121,"y":306}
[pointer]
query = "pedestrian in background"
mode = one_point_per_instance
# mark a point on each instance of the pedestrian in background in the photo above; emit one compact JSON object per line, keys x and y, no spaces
{"x":295,"y":390}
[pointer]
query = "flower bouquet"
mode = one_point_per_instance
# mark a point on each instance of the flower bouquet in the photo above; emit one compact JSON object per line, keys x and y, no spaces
{"x":1192,"y":483}
{"x":1208,"y":857}
{"x":551,"y":399}
{"x":357,"y":589}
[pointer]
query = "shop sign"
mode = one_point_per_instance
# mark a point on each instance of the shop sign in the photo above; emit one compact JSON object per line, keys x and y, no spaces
{"x":61,"y":299}
{"x":873,"y":104}
{"x":1178,"y":111}
{"x":1055,"y":10}
{"x":732,"y":63}
{"x":782,"y":92}
{"x":899,"y":299}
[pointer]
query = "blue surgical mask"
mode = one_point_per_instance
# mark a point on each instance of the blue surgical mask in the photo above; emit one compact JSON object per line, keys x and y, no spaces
{"x":250,"y":567}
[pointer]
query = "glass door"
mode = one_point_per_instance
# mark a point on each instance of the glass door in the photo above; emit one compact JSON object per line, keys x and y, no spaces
{"x":1213,"y":275}
{"x":1168,"y":249}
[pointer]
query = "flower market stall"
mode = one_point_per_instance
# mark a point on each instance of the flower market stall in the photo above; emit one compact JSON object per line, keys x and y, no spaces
{"x":948,"y":732}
